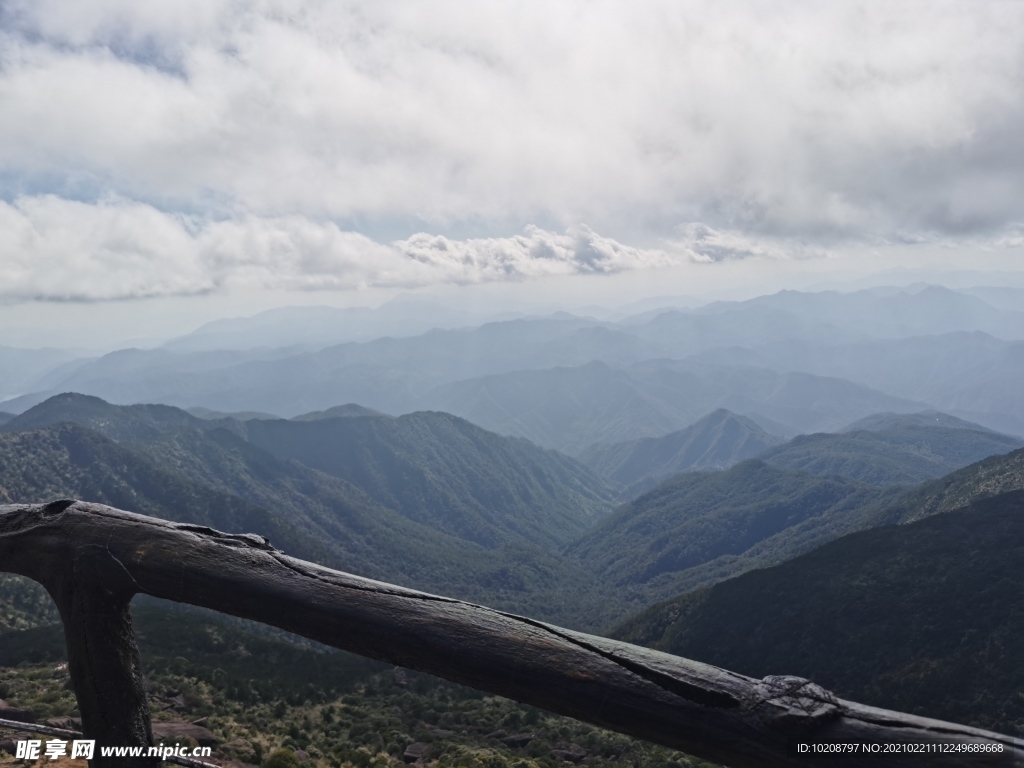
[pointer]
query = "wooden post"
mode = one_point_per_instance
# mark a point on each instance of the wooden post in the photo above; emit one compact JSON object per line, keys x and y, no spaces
{"x":697,"y":708}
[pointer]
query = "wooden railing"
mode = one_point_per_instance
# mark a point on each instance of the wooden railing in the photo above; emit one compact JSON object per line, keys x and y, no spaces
{"x":93,"y":559}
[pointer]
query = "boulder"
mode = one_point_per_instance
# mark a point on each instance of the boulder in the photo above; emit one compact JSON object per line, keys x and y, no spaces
{"x":415,"y":751}
{"x":572,"y":753}
{"x":7,"y":712}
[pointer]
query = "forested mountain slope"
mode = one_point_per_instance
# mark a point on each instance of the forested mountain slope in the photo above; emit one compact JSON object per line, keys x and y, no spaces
{"x":697,"y":527}
{"x":202,"y":472}
{"x":718,"y":441}
{"x":442,"y":471}
{"x":898,"y":453}
{"x":69,"y":461}
{"x":924,"y":618}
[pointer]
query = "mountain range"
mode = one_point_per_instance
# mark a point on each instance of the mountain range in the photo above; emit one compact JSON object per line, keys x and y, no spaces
{"x":434,"y":502}
{"x":795,"y":362}
{"x":207,"y":473}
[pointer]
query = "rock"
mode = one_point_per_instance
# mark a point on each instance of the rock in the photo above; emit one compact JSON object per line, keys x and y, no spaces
{"x":7,"y":712}
{"x":519,"y":739}
{"x":202,"y":722}
{"x":178,"y":702}
{"x":572,"y":753}
{"x":414,"y":751}
{"x":8,"y":745}
{"x":60,"y":722}
{"x":171,"y":730}
{"x":498,"y":734}
{"x":302,"y":755}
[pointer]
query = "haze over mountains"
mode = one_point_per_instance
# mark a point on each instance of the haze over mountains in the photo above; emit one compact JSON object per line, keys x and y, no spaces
{"x":794,"y":362}
{"x":573,"y":469}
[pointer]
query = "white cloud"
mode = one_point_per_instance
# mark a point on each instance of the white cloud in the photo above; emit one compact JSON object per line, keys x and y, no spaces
{"x":55,"y":249}
{"x":797,"y":119}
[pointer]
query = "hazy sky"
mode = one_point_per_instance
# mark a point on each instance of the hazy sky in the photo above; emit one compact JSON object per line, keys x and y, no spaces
{"x":223,"y":147}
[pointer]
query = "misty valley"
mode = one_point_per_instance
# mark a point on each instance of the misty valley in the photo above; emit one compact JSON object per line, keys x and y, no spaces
{"x":822,"y":484}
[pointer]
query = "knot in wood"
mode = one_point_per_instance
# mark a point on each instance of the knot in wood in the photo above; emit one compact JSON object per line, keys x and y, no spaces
{"x":794,"y":704}
{"x":237,"y":540}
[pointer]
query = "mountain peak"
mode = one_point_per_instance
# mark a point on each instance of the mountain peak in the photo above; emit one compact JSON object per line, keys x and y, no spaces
{"x":118,"y":422}
{"x":716,"y":441}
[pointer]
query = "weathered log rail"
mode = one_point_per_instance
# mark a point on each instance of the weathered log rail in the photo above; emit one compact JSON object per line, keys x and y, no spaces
{"x":93,"y":559}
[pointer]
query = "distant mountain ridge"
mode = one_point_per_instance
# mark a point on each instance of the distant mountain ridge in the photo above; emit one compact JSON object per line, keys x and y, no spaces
{"x":878,"y":422}
{"x":118,"y":422}
{"x":338,"y":411}
{"x":888,"y":449}
{"x":717,"y":441}
{"x":573,"y":408}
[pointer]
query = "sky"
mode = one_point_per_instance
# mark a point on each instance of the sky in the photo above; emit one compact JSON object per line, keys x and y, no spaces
{"x":165,"y":163}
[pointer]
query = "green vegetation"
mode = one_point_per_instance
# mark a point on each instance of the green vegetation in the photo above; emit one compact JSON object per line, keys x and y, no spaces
{"x":991,"y":477}
{"x":923,"y":618}
{"x":432,"y":502}
{"x":267,"y":698}
{"x":214,"y":477}
{"x":444,"y":472}
{"x":69,"y":461}
{"x":704,"y":526}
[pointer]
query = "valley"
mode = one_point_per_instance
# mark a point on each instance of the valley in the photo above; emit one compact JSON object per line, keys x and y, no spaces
{"x":619,"y":490}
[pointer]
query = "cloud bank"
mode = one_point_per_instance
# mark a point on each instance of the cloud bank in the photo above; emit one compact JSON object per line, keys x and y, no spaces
{"x":60,"y":250}
{"x":187,"y":145}
{"x":772,"y":116}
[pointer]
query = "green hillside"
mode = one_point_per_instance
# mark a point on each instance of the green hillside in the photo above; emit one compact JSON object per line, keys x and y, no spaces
{"x":69,"y":461}
{"x":718,"y":441}
{"x":373,"y":540}
{"x":444,"y":472}
{"x":924,"y":618}
{"x":258,"y":691}
{"x":701,"y":527}
{"x":896,"y":453}
{"x":990,"y":477}
{"x":433,"y":468}
{"x":214,"y":477}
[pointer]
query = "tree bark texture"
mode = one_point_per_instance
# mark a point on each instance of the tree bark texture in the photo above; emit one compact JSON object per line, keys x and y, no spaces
{"x":93,"y":559}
